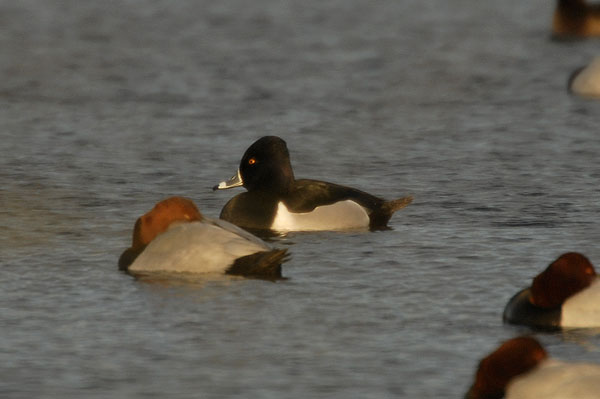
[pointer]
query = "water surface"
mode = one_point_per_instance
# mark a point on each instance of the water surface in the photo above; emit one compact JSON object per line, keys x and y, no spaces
{"x":106,"y":108}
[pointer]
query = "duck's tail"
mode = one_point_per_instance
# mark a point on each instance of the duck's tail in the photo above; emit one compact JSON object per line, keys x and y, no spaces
{"x":380,"y":217}
{"x":128,"y":256}
{"x":265,"y":264}
{"x":397,"y":204}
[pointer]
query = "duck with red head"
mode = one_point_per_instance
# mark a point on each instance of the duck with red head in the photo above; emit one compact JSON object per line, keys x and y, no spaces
{"x":520,"y":368}
{"x":156,"y":221}
{"x":566,"y":294}
{"x":175,"y":237}
{"x":514,"y":357}
{"x":576,"y":19}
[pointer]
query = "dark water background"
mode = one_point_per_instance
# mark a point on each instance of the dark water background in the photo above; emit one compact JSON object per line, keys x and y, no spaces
{"x":107,"y":107}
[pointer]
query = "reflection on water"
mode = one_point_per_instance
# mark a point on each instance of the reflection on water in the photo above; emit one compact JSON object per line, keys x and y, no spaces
{"x":36,"y":216}
{"x":184,"y":280}
{"x":190,"y":280}
{"x":587,"y":338}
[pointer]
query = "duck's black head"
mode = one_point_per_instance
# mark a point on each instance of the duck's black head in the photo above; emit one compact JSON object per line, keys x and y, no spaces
{"x":266,"y":166}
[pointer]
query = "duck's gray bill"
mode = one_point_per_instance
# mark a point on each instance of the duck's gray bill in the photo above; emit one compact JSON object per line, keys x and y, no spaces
{"x":235,"y":181}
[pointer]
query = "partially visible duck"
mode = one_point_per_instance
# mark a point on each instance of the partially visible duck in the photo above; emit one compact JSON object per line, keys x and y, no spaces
{"x":521,"y":369}
{"x":576,"y":18}
{"x":585,"y":81}
{"x":175,"y":237}
{"x":275,"y":200}
{"x":566,"y":294}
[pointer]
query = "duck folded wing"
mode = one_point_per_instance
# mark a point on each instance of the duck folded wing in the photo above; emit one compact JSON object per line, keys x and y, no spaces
{"x":307,"y":194}
{"x":266,"y":264}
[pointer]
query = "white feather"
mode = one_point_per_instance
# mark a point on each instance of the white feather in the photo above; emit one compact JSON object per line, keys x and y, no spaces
{"x":343,"y":215}
{"x":587,"y":81}
{"x":583,"y":308}
{"x":554,"y":379}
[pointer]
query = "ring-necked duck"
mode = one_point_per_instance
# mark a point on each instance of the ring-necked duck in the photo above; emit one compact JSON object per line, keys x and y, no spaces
{"x":175,"y":237}
{"x":566,"y":294}
{"x":521,"y":369}
{"x":576,"y":18}
{"x":275,"y":200}
{"x":585,"y":81}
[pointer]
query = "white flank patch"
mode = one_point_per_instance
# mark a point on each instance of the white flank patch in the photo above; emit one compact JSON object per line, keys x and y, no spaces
{"x":583,"y":308}
{"x":343,"y":215}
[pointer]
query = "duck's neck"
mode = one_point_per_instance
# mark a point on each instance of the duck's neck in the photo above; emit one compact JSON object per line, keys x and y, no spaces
{"x":274,"y":181}
{"x":280,"y":183}
{"x":280,"y":178}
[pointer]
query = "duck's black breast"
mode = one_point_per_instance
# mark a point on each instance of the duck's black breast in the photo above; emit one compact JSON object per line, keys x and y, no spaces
{"x":519,"y":310}
{"x":251,"y":210}
{"x":305,"y":195}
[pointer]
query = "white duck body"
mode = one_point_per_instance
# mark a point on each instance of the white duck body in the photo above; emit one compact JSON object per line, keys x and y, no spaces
{"x":554,"y":379}
{"x":207,"y":246}
{"x":586,"y":81}
{"x":583,"y":308}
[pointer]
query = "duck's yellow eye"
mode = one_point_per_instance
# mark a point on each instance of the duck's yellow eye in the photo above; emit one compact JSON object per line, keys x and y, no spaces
{"x":251,"y":161}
